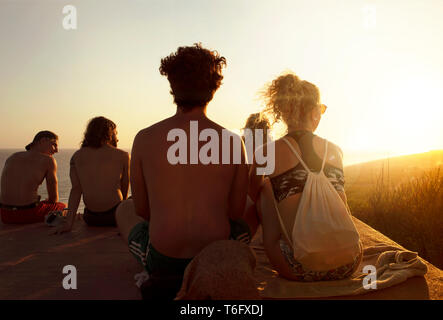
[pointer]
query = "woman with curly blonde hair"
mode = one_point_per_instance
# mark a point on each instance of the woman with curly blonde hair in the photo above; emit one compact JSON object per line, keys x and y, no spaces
{"x":297,"y":104}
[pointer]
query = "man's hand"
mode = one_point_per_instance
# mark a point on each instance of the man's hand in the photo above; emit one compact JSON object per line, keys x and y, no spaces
{"x":63,"y":227}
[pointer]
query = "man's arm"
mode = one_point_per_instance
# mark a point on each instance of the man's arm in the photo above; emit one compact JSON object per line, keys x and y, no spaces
{"x":51,"y":181}
{"x":124,"y":181}
{"x":138,"y":185}
{"x":255,"y":180}
{"x":239,"y":188}
{"x":337,"y":156}
{"x":74,"y":200}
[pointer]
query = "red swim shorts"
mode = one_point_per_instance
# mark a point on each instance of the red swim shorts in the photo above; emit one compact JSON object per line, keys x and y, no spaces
{"x":32,"y":215}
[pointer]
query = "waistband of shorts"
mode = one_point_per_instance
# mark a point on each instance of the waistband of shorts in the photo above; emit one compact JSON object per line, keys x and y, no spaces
{"x":110,"y":211}
{"x":166,"y":264}
{"x":13,"y":208}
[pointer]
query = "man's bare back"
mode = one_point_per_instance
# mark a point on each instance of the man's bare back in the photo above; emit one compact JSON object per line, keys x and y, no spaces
{"x":182,"y":203}
{"x":22,"y":174}
{"x":190,"y":204}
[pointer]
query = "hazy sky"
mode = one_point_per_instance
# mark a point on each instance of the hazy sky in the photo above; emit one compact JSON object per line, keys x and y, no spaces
{"x":378,"y":64}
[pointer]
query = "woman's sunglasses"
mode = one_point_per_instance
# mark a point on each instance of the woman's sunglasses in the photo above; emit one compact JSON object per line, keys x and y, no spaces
{"x":323,"y":108}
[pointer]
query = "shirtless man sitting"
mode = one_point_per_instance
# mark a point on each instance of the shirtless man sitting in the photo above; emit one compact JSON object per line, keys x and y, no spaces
{"x":100,"y":172}
{"x":178,"y":209}
{"x":22,"y":174}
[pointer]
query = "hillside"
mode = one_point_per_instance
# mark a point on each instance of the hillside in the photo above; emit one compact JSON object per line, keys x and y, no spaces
{"x":362,"y":178}
{"x":402,"y":198}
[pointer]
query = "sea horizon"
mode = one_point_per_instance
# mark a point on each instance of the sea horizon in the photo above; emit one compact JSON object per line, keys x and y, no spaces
{"x":64,"y":155}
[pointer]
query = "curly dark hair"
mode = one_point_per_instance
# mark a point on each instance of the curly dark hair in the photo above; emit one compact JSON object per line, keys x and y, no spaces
{"x":98,"y":132}
{"x":194,"y":74}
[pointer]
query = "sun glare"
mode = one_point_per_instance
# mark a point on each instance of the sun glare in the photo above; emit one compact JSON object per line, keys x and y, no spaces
{"x":412,"y":112}
{"x":407,"y":117}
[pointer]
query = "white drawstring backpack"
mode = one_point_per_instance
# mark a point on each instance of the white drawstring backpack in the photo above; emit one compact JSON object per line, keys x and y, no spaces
{"x":324,"y":236}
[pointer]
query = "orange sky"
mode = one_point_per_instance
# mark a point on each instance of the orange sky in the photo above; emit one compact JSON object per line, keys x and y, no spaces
{"x":377,"y":63}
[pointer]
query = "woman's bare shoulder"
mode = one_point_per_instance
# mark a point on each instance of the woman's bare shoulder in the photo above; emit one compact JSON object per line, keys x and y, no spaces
{"x":335,"y":154}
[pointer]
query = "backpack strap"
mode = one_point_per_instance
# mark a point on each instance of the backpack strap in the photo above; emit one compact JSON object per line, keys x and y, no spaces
{"x":296,"y":154}
{"x":324,"y":157}
{"x":301,"y":160}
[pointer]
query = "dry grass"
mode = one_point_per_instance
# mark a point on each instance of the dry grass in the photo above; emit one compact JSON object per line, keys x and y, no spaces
{"x":410,"y":213}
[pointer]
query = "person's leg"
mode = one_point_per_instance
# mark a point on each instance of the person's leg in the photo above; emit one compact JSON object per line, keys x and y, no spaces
{"x":45,"y":207}
{"x":134,"y":231}
{"x":126,"y":218}
{"x":245,"y":228}
{"x":251,"y":217}
{"x":32,"y":215}
{"x":12,"y":217}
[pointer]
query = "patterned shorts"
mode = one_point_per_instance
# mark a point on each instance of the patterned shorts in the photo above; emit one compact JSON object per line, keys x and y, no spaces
{"x":301,"y":274}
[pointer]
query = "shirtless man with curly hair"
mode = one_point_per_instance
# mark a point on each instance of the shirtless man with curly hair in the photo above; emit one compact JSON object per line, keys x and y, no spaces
{"x":178,"y":209}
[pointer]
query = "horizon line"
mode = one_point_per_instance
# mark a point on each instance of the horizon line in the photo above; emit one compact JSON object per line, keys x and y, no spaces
{"x":345,"y":165}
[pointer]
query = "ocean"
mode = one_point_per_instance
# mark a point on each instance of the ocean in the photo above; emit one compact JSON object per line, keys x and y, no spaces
{"x":64,"y":156}
{"x":64,"y":183}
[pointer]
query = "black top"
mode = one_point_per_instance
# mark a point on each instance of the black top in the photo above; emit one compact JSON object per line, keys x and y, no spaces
{"x":292,"y":181}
